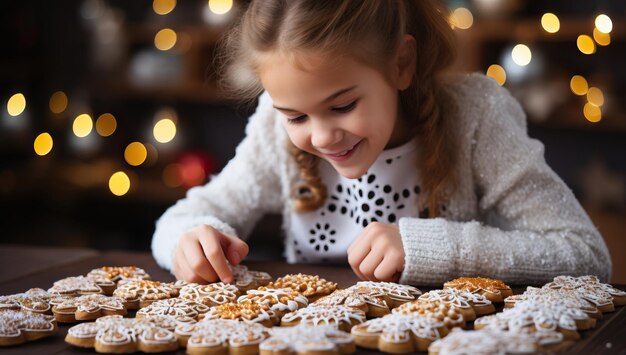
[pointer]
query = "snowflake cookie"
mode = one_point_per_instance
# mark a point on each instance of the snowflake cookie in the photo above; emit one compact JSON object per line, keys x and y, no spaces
{"x":565,"y":297}
{"x":141,"y":293}
{"x":470,"y":304}
{"x":18,"y":327}
{"x":221,"y":335}
{"x":175,"y":307}
{"x":341,"y":317}
{"x":250,"y":312}
{"x":440,"y":311}
{"x":364,"y":298}
{"x":211,"y":295}
{"x":248,"y":279}
{"x":394,"y":294}
{"x":312,"y":287}
{"x":592,"y":290}
{"x":35,"y":300}
{"x":87,"y":307}
{"x":117,"y":273}
{"x":81,"y":285}
{"x":305,"y":339}
{"x":280,"y":300}
{"x":493,"y":290}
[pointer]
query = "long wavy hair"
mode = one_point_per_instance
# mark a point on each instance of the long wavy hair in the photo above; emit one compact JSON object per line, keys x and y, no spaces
{"x":370,"y":31}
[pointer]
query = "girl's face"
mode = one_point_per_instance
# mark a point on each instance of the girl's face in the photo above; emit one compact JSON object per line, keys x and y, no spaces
{"x":340,"y":110}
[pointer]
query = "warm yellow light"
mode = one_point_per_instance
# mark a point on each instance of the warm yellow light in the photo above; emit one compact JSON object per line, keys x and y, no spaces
{"x":592,"y":113}
{"x":164,"y":130}
{"x":135,"y":153}
{"x":58,"y":102}
{"x":16,"y":104}
{"x":165,"y":39}
{"x":163,"y":7}
{"x":595,"y":96}
{"x":521,"y":55}
{"x":171,"y":175}
{"x":461,"y":18}
{"x":106,"y":124}
{"x":585,"y":44}
{"x":43,"y":144}
{"x":603,"y":39}
{"x":220,"y":7}
{"x":604,"y":23}
{"x":83,"y":124}
{"x":550,"y":22}
{"x":579,"y":85}
{"x":119,"y":183}
{"x":498,"y":74}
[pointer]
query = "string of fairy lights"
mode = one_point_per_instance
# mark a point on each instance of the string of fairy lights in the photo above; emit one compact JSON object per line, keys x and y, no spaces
{"x":164,"y":128}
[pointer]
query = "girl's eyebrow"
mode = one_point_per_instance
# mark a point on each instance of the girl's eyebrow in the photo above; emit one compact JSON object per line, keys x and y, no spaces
{"x":329,"y":98}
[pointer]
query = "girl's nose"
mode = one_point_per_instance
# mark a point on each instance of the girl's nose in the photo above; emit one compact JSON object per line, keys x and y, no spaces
{"x":324,"y":135}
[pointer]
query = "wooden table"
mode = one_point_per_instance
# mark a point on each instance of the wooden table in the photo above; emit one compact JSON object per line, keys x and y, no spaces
{"x":22,"y":268}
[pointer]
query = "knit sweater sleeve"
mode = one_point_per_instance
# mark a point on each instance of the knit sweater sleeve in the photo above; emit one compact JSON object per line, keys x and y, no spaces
{"x":532,"y":229}
{"x":233,"y":201}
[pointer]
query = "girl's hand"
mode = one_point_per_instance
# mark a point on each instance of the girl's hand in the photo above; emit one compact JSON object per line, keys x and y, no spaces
{"x":202,"y":252}
{"x":377,"y":254}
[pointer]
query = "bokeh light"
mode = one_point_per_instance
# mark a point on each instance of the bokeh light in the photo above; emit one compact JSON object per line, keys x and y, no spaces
{"x":592,"y":113}
{"x":165,"y":39}
{"x":498,"y":74}
{"x":16,"y":104}
{"x":119,"y":183}
{"x":171,"y":175}
{"x":550,"y":23}
{"x":163,"y":7}
{"x":579,"y":85}
{"x":106,"y":124}
{"x":595,"y":96}
{"x":521,"y":55}
{"x":58,"y":102}
{"x":82,"y":126}
{"x":461,"y":18}
{"x":220,"y":7}
{"x":603,"y":39}
{"x":585,"y":44}
{"x":604,"y":23}
{"x":164,"y":130}
{"x":135,"y":153}
{"x":43,"y":144}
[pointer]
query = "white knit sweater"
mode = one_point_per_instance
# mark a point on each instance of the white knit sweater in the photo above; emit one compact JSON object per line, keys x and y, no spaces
{"x":511,"y":217}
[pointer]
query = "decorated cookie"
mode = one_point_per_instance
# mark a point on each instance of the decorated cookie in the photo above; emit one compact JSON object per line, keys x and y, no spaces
{"x":395,"y":294}
{"x":82,"y":285}
{"x":34,"y":300}
{"x":250,"y":312}
{"x":592,"y":290}
{"x":305,"y":339}
{"x":341,"y":317}
{"x":312,"y":287}
{"x":176,"y":307}
{"x":247,"y":279}
{"x":565,"y":297}
{"x":18,"y":326}
{"x":470,"y":304}
{"x":141,"y":293}
{"x":211,"y":336}
{"x":364,"y":298}
{"x":493,"y":290}
{"x":280,"y":300}
{"x":87,"y":307}
{"x":114,"y":334}
{"x":117,"y":273}
{"x":440,"y":311}
{"x":398,"y":333}
{"x":211,"y":295}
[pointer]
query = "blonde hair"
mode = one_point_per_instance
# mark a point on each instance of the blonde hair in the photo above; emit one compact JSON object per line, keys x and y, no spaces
{"x":370,"y":31}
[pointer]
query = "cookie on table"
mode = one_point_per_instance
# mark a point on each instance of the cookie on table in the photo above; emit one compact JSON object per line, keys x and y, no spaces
{"x":82,"y":285}
{"x":470,"y":304}
{"x":591,"y":289}
{"x":494,"y":290}
{"x":341,"y":317}
{"x":364,"y":298}
{"x":440,"y":311}
{"x":567,"y":298}
{"x":35,"y":300}
{"x":211,"y":295}
{"x":115,"y":334}
{"x":395,"y":294}
{"x":224,"y":336}
{"x":398,"y":333}
{"x":311,"y":286}
{"x":304,"y":339}
{"x":141,"y":293}
{"x":117,"y":273}
{"x":249,"y":312}
{"x":17,"y":326}
{"x":249,"y":279}
{"x":175,"y":307}
{"x":87,"y":307}
{"x":279,"y":300}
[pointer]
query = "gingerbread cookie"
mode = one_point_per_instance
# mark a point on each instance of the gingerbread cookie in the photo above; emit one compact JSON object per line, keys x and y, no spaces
{"x":371,"y":301}
{"x":114,"y":334}
{"x":493,"y":290}
{"x":247,"y":280}
{"x":312,"y":287}
{"x":280,"y":300}
{"x":249,"y":312}
{"x":394,"y":294}
{"x":592,"y":290}
{"x":398,"y":333}
{"x":304,"y":339}
{"x":176,"y":307}
{"x":211,"y":336}
{"x":141,"y":293}
{"x":35,"y":300}
{"x":117,"y":273}
{"x":341,"y":317}
{"x":18,"y":327}
{"x":440,"y":311}
{"x":82,"y":285}
{"x":470,"y":304}
{"x":567,"y":298}
{"x":211,"y":295}
{"x":87,"y":307}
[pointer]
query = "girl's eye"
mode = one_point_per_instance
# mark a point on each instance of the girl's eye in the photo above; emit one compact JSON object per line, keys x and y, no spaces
{"x":347,"y":108}
{"x":296,"y":120}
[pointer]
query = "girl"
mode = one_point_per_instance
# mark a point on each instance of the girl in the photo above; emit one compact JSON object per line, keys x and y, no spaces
{"x":374,"y":157}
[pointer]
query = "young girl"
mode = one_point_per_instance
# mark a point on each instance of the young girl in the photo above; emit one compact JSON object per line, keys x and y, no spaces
{"x":374,"y":158}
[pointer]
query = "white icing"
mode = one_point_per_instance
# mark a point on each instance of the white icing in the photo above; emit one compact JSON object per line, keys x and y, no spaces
{"x":144,"y":290}
{"x":304,"y":338}
{"x":174,"y":307}
{"x":77,"y":285}
{"x":216,"y":293}
{"x":456,"y":298}
{"x":13,"y":322}
{"x":394,"y":290}
{"x":490,"y":341}
{"x":316,"y":315}
{"x":541,"y":315}
{"x":213,"y":332}
{"x":396,"y":328}
{"x":281,"y":300}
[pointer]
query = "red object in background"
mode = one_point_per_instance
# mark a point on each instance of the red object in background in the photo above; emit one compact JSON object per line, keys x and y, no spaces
{"x":195,"y":167}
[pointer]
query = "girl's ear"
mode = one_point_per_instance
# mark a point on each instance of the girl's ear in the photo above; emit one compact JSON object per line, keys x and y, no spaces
{"x":405,"y":62}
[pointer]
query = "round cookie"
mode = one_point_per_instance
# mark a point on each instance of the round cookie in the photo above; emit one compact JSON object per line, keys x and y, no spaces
{"x":211,"y":336}
{"x":280,"y":300}
{"x":440,"y":311}
{"x":87,"y":307}
{"x":341,"y":317}
{"x":494,"y":290}
{"x":470,"y":304}
{"x":304,"y":339}
{"x":141,"y":293}
{"x":364,"y":298}
{"x":250,"y":312}
{"x":174,"y":307}
{"x":35,"y":300}
{"x":18,"y":327}
{"x":312,"y":287}
{"x":117,"y":273}
{"x":211,"y":295}
{"x":394,"y":294}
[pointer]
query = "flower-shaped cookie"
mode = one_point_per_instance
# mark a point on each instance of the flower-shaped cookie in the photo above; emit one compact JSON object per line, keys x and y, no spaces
{"x":470,"y":304}
{"x":141,"y":293}
{"x":34,"y":300}
{"x":176,"y":307}
{"x":369,"y":300}
{"x":398,"y":333}
{"x":565,"y":297}
{"x":312,"y":287}
{"x":211,"y":295}
{"x":592,"y":290}
{"x":493,"y":290}
{"x":81,"y":285}
{"x":17,"y":326}
{"x":341,"y":317}
{"x":248,"y":279}
{"x":87,"y":307}
{"x":114,"y":334}
{"x":117,"y":273}
{"x":230,"y":336}
{"x":280,"y":300}
{"x":250,"y":312}
{"x":305,"y":339}
{"x":395,"y":294}
{"x":440,"y":311}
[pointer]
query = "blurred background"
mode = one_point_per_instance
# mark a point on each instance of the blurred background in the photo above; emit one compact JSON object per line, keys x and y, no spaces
{"x":110,"y":109}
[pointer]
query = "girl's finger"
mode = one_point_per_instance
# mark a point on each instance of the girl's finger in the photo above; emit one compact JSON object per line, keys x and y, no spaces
{"x":198,"y":263}
{"x":387,"y":269}
{"x":370,"y":263}
{"x":212,"y":250}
